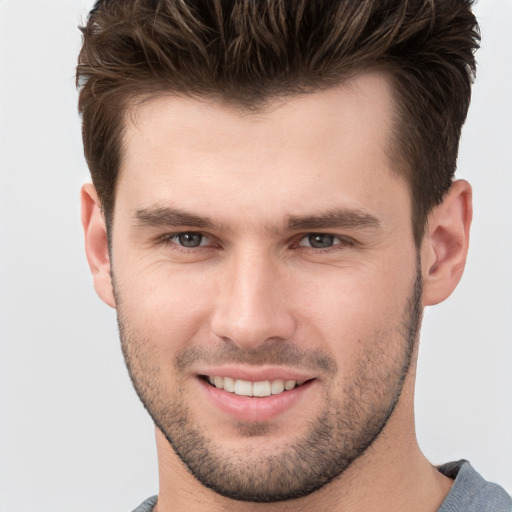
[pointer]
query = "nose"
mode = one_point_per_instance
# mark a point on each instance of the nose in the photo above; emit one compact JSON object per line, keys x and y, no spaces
{"x":252,"y":307}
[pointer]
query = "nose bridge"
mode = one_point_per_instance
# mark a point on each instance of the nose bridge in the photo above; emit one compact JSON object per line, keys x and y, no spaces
{"x":250,"y":307}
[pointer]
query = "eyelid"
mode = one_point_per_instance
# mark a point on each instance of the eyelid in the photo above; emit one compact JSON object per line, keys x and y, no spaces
{"x":167,"y":239}
{"x":203,"y":242}
{"x":342,"y":240}
{"x":212,"y":241}
{"x":341,"y":246}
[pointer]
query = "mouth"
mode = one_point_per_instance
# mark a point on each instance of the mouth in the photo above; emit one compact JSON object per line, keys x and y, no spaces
{"x":256,"y":395}
{"x":248,"y":388}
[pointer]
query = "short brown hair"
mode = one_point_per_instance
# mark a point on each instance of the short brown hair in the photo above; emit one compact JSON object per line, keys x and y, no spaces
{"x":248,"y":51}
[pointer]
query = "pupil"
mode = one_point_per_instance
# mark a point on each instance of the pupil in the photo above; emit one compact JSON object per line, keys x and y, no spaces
{"x":190,"y":239}
{"x":321,"y":241}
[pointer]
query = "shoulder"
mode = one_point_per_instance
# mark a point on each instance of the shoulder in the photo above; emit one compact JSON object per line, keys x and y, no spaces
{"x":471,"y":492}
{"x":147,"y":505}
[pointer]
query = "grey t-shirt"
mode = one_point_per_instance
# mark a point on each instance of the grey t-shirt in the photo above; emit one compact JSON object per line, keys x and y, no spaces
{"x":469,"y":493}
{"x":147,"y":506}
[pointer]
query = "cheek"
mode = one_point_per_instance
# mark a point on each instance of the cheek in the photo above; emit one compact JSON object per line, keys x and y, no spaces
{"x":353,"y":310}
{"x":339,"y":310}
{"x":168,"y":307}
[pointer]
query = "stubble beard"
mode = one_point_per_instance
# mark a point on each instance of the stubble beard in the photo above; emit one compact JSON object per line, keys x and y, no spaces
{"x":350,"y":422}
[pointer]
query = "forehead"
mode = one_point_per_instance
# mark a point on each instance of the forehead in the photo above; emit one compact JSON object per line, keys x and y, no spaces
{"x":365,"y":99}
{"x":296,"y":152}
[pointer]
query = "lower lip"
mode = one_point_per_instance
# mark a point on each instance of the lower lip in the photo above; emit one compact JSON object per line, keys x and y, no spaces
{"x":254,"y":409}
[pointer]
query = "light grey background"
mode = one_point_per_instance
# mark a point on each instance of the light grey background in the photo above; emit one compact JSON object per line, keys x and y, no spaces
{"x":73,"y":436}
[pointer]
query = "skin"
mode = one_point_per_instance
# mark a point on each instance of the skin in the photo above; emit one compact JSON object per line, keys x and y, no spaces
{"x":256,"y":297}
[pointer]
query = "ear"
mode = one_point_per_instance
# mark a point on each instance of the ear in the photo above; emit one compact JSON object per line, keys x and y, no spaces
{"x":96,"y":244}
{"x":445,"y":244}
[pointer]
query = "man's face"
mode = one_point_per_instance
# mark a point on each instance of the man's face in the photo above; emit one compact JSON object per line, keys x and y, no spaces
{"x":271,"y":254}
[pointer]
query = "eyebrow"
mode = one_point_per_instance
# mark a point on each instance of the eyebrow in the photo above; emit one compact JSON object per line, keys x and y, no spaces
{"x":336,"y":218}
{"x":343,"y":218}
{"x":167,"y":216}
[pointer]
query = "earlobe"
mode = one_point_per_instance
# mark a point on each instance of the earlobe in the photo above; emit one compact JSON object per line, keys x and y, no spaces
{"x":446,"y":243}
{"x":96,"y":244}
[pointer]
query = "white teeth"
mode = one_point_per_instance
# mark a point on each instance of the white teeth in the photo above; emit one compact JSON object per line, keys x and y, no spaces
{"x":277,"y":387}
{"x":247,"y":388}
{"x":262,"y":388}
{"x":243,"y":387}
{"x":229,"y":384}
{"x":289,"y":384}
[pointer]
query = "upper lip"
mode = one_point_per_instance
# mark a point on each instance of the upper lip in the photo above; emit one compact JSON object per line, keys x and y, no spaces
{"x":256,"y":374}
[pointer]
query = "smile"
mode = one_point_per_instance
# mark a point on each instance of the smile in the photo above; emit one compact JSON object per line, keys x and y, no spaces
{"x":256,"y":389}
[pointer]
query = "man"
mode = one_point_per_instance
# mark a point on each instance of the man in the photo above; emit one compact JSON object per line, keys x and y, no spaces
{"x":272,"y":207}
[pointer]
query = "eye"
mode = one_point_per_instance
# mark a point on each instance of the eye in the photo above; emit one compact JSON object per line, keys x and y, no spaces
{"x":322,"y":241}
{"x":189,"y":240}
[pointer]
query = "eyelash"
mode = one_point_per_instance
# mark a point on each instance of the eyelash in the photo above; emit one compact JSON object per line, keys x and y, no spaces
{"x":167,"y":240}
{"x":343,"y":242}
